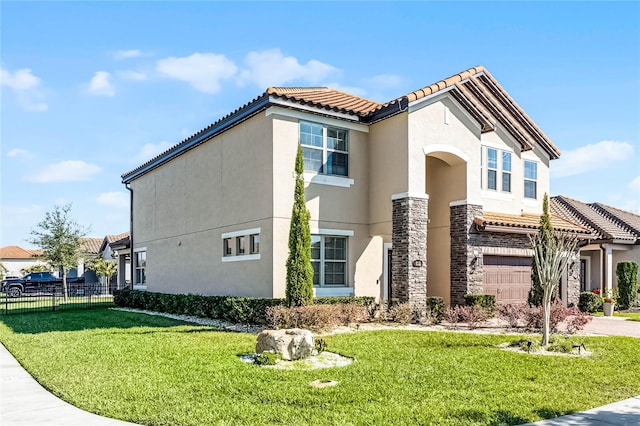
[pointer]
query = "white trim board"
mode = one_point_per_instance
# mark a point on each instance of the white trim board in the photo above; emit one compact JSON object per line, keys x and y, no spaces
{"x":240,"y":258}
{"x":240,"y":233}
{"x":337,"y":232}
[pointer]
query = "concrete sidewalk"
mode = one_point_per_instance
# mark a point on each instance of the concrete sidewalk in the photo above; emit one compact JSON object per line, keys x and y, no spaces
{"x":622,"y":413}
{"x":24,"y":402}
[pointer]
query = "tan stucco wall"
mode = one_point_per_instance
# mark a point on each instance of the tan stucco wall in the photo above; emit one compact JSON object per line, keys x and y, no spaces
{"x":183,"y":207}
{"x":388,"y":159}
{"x":340,"y":208}
{"x":445,"y":183}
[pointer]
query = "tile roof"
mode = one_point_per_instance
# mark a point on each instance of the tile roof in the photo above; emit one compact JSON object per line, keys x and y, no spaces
{"x":91,"y":245}
{"x":16,"y":252}
{"x":605,"y":222}
{"x":526,"y":221}
{"x":475,"y":89}
{"x":112,"y":238}
{"x":325,"y":98}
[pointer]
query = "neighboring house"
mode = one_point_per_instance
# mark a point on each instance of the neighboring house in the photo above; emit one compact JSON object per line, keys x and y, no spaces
{"x":90,"y":249}
{"x":16,"y":259}
{"x":117,"y":248}
{"x":615,"y":237}
{"x":423,"y":195}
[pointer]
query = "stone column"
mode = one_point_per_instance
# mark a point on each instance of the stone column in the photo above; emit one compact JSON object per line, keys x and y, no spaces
{"x":466,"y":267}
{"x":409,"y":255}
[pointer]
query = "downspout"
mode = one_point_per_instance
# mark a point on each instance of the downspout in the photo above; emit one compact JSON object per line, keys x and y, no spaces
{"x":603,"y":252}
{"x":131,"y":265}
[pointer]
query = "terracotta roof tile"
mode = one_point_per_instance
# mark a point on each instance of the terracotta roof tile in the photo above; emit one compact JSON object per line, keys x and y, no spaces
{"x":527,"y":221}
{"x":625,"y":219}
{"x":16,"y":252}
{"x":91,"y":245}
{"x":112,"y":238}
{"x":324,"y":97}
{"x":602,"y":224}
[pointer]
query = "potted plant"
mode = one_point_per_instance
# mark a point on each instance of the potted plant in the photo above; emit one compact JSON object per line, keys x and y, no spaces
{"x":609,"y":302}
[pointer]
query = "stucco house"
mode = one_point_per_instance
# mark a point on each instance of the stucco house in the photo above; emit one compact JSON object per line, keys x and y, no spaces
{"x":431,"y":193}
{"x":16,"y":259}
{"x":614,"y":237}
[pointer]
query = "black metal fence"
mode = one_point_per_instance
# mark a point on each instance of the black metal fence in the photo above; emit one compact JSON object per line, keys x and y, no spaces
{"x":52,"y":298}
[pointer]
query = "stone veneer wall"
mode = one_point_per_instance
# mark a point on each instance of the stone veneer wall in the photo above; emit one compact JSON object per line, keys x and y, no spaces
{"x":466,"y":273}
{"x":409,"y":240}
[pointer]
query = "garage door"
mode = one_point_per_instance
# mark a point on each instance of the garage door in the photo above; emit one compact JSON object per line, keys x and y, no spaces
{"x":507,"y":277}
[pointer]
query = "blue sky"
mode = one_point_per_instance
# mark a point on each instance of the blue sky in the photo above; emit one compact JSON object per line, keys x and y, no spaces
{"x":91,"y":90}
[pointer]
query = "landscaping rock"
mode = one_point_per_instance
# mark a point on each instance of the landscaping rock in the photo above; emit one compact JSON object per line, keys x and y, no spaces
{"x":292,"y":344}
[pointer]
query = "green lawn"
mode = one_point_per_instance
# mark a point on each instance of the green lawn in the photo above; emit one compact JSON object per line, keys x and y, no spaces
{"x":156,"y":371}
{"x":632,"y":316}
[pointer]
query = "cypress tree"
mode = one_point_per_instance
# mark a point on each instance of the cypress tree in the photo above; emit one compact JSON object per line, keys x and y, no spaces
{"x":545,"y":232}
{"x":299,"y":290}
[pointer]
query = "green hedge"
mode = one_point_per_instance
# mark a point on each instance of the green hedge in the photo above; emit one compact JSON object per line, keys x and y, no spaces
{"x":589,"y":302}
{"x":239,"y":310}
{"x":435,"y":308}
{"x":486,"y":301}
{"x":627,"y":273}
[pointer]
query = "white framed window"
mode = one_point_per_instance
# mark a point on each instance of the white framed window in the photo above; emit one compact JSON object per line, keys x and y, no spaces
{"x":329,"y":260}
{"x":530,"y":179}
{"x":254,"y":243}
{"x":495,"y":169}
{"x":325,"y":149}
{"x":141,"y":267}
{"x":241,"y":243}
{"x":492,"y":168}
{"x":226,"y":247}
{"x":506,"y":171}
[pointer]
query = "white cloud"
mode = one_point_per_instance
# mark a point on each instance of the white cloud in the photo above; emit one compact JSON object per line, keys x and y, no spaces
{"x":115,"y":199}
{"x":126,"y":54}
{"x":19,"y":153}
{"x":150,"y":150}
{"x":132,"y":75}
{"x":590,"y":158}
{"x":66,"y":171}
{"x":203,"y":71}
{"x":27,"y":87}
{"x":100,"y":84}
{"x":272,"y":68}
{"x":635,"y":184}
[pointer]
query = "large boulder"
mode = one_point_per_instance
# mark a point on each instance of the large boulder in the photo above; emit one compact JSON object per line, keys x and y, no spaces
{"x":291,"y":344}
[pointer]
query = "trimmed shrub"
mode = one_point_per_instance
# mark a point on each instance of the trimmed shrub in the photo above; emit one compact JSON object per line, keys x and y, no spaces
{"x":399,"y":312}
{"x":473,"y":315}
{"x":590,"y":302}
{"x":435,"y":310}
{"x":238,"y":310}
{"x":577,"y":321}
{"x":486,"y":301}
{"x":314,"y":317}
{"x":627,"y":273}
{"x":512,"y":314}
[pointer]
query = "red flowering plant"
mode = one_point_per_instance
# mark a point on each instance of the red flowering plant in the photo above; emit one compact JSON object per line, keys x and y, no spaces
{"x":595,"y":291}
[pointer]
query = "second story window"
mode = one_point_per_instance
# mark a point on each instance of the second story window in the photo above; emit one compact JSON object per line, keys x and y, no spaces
{"x":325,"y":149}
{"x":530,"y":179}
{"x":506,"y":171}
{"x":495,"y":169}
{"x":492,"y":168}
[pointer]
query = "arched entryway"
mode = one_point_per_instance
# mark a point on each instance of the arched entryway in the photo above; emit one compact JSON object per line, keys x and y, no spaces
{"x":446,"y":182}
